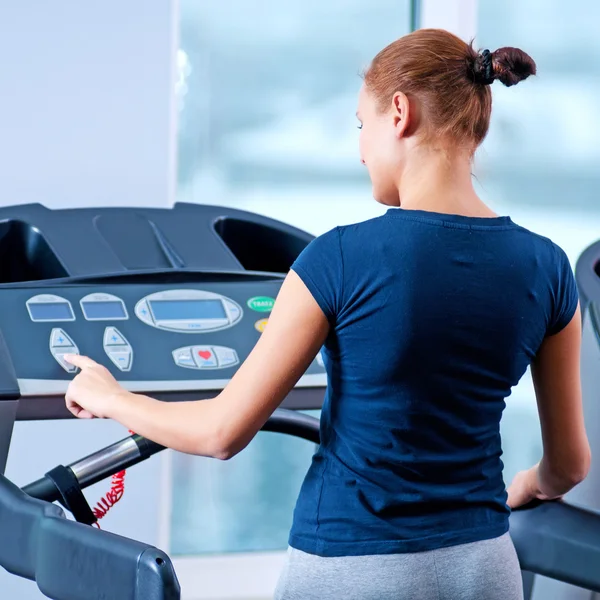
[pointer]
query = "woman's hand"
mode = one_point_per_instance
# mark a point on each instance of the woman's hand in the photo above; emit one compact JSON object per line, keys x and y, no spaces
{"x":94,"y":391}
{"x":524,"y":488}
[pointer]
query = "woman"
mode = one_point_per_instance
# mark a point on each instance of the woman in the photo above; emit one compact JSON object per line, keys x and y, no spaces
{"x":429,"y":315}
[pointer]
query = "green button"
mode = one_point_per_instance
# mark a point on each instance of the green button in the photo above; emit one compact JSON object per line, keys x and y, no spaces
{"x":261,"y":303}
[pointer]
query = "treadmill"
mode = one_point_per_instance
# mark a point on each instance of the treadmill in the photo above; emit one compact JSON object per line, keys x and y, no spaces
{"x":172,"y":301}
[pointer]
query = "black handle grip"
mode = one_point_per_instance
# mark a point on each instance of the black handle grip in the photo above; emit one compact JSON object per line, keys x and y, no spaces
{"x":559,"y":541}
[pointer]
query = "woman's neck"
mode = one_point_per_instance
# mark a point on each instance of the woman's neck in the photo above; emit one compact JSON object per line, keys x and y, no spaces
{"x":434,"y":181}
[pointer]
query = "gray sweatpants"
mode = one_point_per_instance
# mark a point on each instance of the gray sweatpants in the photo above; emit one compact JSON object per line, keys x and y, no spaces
{"x":486,"y":570}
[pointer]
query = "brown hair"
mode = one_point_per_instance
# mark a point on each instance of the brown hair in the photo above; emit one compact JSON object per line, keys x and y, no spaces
{"x":450,"y":80}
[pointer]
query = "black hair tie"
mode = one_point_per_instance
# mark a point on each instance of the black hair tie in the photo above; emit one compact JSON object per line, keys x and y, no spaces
{"x":483,"y":71}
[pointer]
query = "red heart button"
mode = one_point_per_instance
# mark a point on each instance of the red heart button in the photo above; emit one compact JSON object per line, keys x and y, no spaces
{"x":205,"y":354}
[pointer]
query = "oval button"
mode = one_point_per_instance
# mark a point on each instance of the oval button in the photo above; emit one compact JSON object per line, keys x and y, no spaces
{"x":260,"y":325}
{"x":261,"y":303}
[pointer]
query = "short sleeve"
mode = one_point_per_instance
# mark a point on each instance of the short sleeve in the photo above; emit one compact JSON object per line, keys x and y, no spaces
{"x":566,"y":295}
{"x":320,"y":267}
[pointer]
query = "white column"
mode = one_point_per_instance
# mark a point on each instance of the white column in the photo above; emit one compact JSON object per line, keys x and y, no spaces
{"x":87,"y":110}
{"x":457,"y":16}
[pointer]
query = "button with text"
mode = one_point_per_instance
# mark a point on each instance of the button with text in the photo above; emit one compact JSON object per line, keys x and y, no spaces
{"x":227,"y":357}
{"x":117,"y":348}
{"x":183,"y":358}
{"x":261,"y":303}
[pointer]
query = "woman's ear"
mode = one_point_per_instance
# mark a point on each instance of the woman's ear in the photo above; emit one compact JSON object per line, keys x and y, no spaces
{"x":401,"y":114}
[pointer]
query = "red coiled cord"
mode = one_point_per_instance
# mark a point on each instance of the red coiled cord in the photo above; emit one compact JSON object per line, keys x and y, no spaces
{"x":116,"y":492}
{"x":117,"y":489}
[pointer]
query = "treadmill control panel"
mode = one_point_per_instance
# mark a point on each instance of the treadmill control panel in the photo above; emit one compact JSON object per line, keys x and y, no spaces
{"x":151,"y":337}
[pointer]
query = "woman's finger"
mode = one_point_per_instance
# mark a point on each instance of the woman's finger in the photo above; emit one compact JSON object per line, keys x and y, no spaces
{"x":80,"y":413}
{"x":80,"y":361}
{"x":74,"y":409}
{"x":86,"y":414}
{"x":517,"y":498}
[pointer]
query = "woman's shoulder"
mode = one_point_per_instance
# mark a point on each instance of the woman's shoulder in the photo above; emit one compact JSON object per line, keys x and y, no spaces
{"x":545,"y":245}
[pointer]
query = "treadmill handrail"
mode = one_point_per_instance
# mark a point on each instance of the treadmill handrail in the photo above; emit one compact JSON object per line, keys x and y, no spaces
{"x":294,"y":423}
{"x":134,"y":449}
{"x":71,"y":561}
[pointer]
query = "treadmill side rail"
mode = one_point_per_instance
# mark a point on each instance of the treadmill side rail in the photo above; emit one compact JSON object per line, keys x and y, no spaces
{"x":559,"y":541}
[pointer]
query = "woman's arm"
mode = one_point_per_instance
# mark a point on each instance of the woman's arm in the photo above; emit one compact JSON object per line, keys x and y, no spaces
{"x":557,"y":380}
{"x":566,"y":457}
{"x":222,"y":426}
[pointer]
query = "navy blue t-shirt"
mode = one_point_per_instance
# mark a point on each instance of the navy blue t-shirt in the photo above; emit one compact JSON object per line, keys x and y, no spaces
{"x":434,"y":318}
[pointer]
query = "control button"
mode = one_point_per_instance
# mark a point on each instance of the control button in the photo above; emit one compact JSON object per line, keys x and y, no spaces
{"x":113,"y":337}
{"x":205,"y":357}
{"x":143,"y":312}
{"x":260,"y":325}
{"x":60,"y":345}
{"x":121,"y":358}
{"x":261,"y":303}
{"x":60,"y":359}
{"x":59,"y":339}
{"x":227,"y":357}
{"x":183,"y":357}
{"x":235,"y":312}
{"x":117,"y":348}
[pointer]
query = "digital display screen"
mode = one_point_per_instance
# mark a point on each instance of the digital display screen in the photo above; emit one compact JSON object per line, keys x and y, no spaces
{"x":109,"y":309}
{"x":187,"y":310}
{"x":51,"y":311}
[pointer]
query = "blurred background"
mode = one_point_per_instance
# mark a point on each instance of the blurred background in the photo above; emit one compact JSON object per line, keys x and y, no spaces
{"x":251,"y":105}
